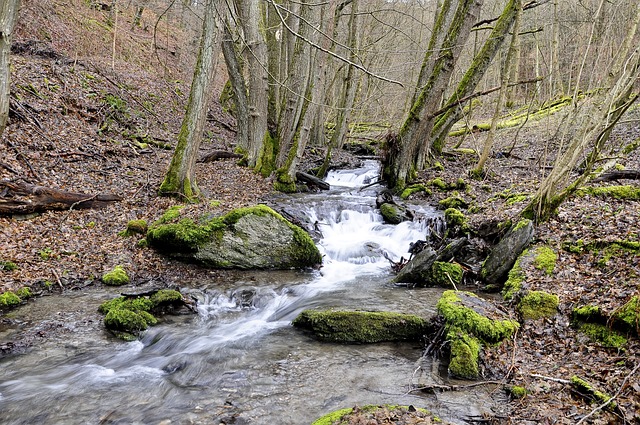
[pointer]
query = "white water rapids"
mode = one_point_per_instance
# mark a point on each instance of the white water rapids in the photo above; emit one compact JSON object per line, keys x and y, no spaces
{"x":239,"y":361}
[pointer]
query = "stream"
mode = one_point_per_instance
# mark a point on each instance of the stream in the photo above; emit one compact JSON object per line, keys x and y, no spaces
{"x":239,"y":360}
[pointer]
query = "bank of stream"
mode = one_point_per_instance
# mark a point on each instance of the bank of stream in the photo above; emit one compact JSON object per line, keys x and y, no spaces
{"x":239,"y":360}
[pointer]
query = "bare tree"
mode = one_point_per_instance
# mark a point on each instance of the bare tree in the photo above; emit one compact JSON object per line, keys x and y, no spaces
{"x":589,"y":126}
{"x":8,"y":16}
{"x":180,"y":178}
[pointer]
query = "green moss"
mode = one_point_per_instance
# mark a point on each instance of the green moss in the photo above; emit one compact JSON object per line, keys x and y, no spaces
{"x":439,"y":184}
{"x":522,"y":223}
{"x":392,"y":213}
{"x":9,"y":299}
{"x":538,"y":304}
{"x":603,"y":335}
{"x":518,"y":392}
{"x":171,"y":214}
{"x":116,"y":277}
{"x":515,"y":278}
{"x":125,"y":303}
{"x":588,"y":313}
{"x":342,"y":416}
{"x":465,"y":350}
{"x":135,"y":227}
{"x":446,"y":275}
{"x":8,"y":266}
{"x":266,"y":162}
{"x":128,"y":321}
{"x":545,"y":259}
{"x":438,"y":166}
{"x":631,"y":147}
{"x":459,"y":316}
{"x":361,"y":326}
{"x":514,"y":199}
{"x":453,"y":202}
{"x":619,"y":192}
{"x":587,"y":390}
{"x":24,"y":293}
{"x":454,"y":218}
{"x":165,"y":296}
{"x":628,"y":316}
{"x":416,"y":188}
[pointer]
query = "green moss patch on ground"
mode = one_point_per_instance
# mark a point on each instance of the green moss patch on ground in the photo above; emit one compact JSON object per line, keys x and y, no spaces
{"x":538,"y":304}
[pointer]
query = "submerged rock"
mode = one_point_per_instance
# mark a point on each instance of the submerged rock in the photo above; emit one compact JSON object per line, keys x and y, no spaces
{"x":362,"y":326}
{"x":246,"y":238}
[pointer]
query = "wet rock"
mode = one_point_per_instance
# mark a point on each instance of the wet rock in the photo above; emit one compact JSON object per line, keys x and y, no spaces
{"x":394,"y":213}
{"x":419,"y":269}
{"x":504,"y":255}
{"x":246,"y":238}
{"x":362,"y":326}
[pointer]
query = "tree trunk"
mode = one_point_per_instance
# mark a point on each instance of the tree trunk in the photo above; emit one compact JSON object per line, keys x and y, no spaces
{"x":509,"y":63}
{"x":239,"y":87}
{"x":180,"y":178}
{"x":406,"y":154}
{"x":8,"y":16}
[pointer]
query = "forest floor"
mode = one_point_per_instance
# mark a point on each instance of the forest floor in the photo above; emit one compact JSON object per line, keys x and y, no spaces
{"x":83,"y":125}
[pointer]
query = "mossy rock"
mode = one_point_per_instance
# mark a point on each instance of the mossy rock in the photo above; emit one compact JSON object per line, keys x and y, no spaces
{"x":393,"y":413}
{"x":465,"y":351}
{"x":246,"y":238}
{"x":446,"y":275}
{"x":455,"y":218}
{"x":515,"y":278}
{"x":478,"y":317}
{"x":116,"y":277}
{"x":538,"y":304}
{"x":135,"y":227}
{"x":127,"y":316}
{"x":362,"y":326}
{"x":393,"y":213}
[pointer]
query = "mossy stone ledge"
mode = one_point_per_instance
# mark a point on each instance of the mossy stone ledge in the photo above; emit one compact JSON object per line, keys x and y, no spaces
{"x":362,"y":326}
{"x":246,"y":238}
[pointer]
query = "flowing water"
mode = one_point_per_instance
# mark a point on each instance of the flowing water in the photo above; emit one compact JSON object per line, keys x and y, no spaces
{"x":239,"y":360}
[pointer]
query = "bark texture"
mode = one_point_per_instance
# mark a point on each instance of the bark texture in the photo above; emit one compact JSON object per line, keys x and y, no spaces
{"x":8,"y":16}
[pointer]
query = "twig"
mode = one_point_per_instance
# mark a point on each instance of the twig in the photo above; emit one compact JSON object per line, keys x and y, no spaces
{"x":455,"y":387}
{"x":370,"y":184}
{"x":55,"y":273}
{"x":606,"y":403}
{"x":549,"y":378}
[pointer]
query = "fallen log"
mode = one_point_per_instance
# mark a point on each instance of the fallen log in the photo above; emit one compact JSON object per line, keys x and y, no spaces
{"x":25,"y":198}
{"x":308,"y":178}
{"x":618,"y":175}
{"x":216,"y":155}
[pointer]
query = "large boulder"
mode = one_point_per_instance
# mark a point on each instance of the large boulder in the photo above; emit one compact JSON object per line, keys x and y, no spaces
{"x":504,"y":255}
{"x":246,"y":238}
{"x":362,"y":326}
